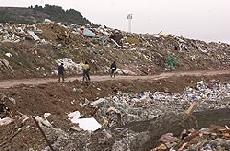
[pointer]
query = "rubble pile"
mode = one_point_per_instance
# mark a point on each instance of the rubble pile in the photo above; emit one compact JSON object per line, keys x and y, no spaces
{"x":121,"y":121}
{"x":135,"y":54}
{"x":16,"y":33}
{"x":205,"y":139}
{"x":124,"y":108}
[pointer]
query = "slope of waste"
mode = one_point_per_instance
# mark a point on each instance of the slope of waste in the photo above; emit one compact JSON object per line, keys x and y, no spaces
{"x":35,"y":50}
{"x":146,"y":105}
{"x":118,"y":120}
{"x":213,"y":138}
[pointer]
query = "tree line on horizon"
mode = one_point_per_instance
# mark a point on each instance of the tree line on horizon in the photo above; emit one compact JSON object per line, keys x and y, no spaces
{"x":38,"y":14}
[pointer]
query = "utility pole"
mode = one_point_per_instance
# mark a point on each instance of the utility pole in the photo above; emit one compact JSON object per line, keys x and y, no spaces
{"x":129,"y":18}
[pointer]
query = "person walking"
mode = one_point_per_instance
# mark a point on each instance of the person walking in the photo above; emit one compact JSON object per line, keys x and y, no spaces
{"x":113,"y":68}
{"x":171,"y":61}
{"x":86,"y":68}
{"x":61,"y":71}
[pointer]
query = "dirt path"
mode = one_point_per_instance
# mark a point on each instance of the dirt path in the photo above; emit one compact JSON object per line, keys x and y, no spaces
{"x":12,"y":83}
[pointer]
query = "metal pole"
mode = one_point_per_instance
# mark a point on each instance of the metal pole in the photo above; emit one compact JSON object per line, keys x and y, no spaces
{"x":129,"y":18}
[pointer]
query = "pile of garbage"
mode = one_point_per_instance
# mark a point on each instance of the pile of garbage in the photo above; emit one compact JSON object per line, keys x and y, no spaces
{"x":124,"y":107}
{"x":15,"y":33}
{"x":124,"y":121}
{"x":205,"y":139}
{"x":135,"y":54}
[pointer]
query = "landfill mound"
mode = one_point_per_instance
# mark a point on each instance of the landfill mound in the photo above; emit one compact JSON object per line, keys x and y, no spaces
{"x":117,"y":115}
{"x":34,"y":50}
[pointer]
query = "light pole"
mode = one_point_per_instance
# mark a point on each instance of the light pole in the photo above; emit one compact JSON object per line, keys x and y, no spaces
{"x":129,"y":18}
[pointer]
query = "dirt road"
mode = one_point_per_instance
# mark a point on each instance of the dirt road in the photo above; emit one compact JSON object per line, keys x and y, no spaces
{"x":12,"y":83}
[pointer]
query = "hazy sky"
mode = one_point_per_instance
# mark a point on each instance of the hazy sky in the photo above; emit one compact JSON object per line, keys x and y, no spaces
{"x":200,"y":19}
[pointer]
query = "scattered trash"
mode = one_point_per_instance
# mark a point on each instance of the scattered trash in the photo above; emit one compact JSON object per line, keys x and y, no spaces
{"x":87,"y":32}
{"x":46,"y":115}
{"x":113,"y":115}
{"x":144,"y":106}
{"x":33,"y":35}
{"x":5,"y":64}
{"x":47,"y":21}
{"x":74,"y":90}
{"x":9,"y":55}
{"x":5,"y":121}
{"x":199,"y":140}
{"x":74,"y":116}
{"x":99,"y":102}
{"x":43,"y":122}
{"x":135,"y":51}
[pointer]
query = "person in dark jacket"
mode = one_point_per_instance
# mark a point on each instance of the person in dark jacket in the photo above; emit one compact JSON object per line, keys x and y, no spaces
{"x":113,"y":68}
{"x":61,"y":71}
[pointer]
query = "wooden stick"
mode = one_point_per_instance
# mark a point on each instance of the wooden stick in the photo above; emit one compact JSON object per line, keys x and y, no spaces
{"x":43,"y":134}
{"x":192,"y":108}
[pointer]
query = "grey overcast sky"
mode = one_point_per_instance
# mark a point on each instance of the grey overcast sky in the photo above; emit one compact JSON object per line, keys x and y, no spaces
{"x":207,"y":20}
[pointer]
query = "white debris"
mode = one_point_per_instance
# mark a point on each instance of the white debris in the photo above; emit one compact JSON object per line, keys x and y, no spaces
{"x":47,"y":21}
{"x":8,"y":55}
{"x":74,"y":90}
{"x":25,"y":118}
{"x":12,"y":100}
{"x":5,"y":63}
{"x":47,"y":115}
{"x":129,"y":72}
{"x":43,"y":122}
{"x":73,"y":117}
{"x":125,"y":72}
{"x":31,"y":149}
{"x":59,"y":45}
{"x":43,"y":41}
{"x":202,"y":50}
{"x":89,"y":33}
{"x":72,"y":102}
{"x":17,"y":41}
{"x":181,"y":40}
{"x":33,"y":35}
{"x":99,"y":102}
{"x":157,"y":36}
{"x":5,"y":121}
{"x":69,"y":64}
{"x":89,"y":124}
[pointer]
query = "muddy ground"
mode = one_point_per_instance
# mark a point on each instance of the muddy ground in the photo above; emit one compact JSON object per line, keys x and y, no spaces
{"x":56,"y":98}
